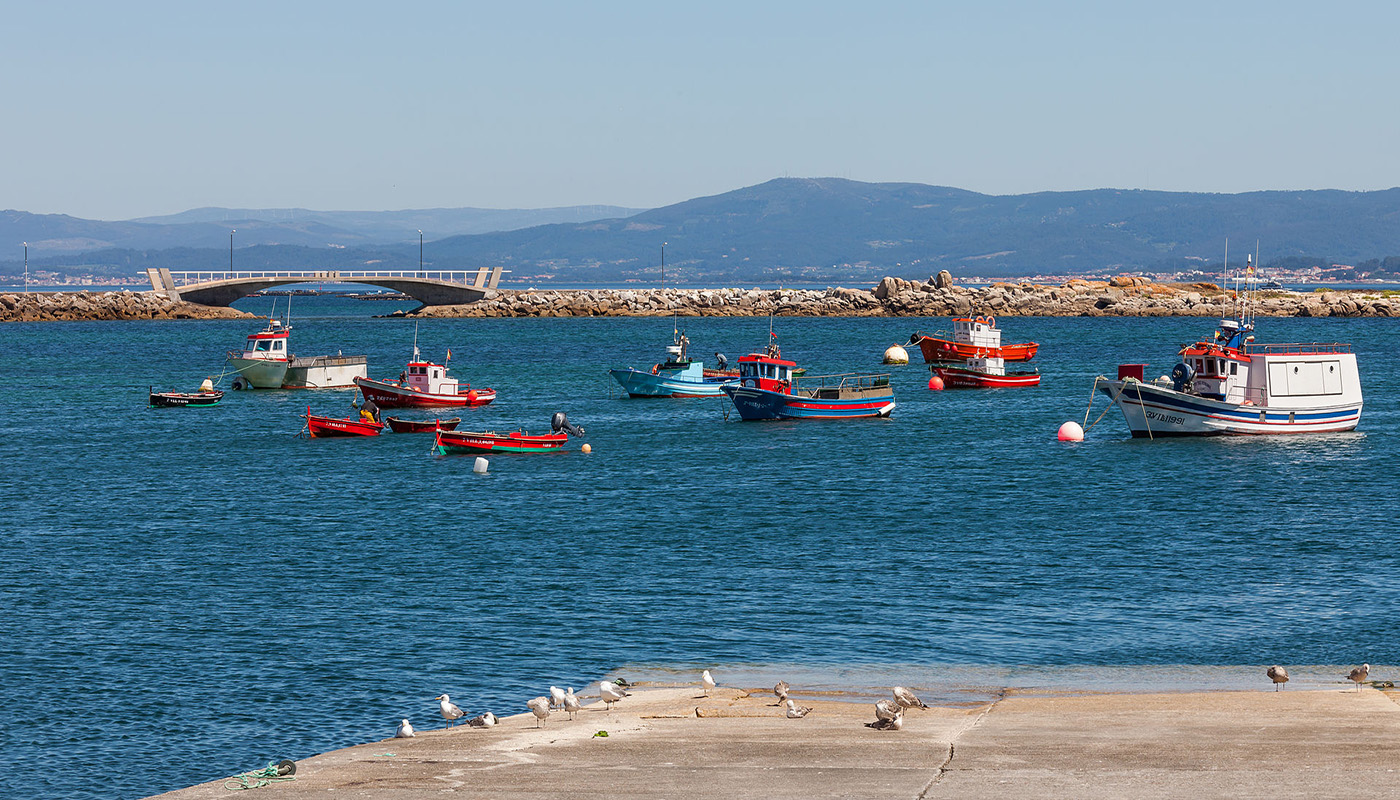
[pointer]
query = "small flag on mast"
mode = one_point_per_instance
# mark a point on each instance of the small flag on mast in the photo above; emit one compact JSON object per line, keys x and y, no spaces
{"x":449,"y":354}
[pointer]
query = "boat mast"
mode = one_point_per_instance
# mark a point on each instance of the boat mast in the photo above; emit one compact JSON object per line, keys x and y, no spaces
{"x":415,"y":340}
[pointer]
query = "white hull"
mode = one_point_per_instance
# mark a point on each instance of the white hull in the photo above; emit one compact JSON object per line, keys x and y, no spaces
{"x":1153,"y":411}
{"x":261,"y":373}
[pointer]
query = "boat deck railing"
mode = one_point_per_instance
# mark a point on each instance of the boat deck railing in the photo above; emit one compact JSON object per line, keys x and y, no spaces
{"x":1306,"y":348}
{"x":852,"y":381}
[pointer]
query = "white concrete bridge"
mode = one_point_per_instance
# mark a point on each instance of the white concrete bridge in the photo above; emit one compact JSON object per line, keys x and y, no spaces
{"x":430,"y":287}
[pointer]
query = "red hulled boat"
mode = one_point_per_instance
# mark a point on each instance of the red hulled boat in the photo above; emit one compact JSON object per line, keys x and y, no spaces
{"x":398,"y":425}
{"x":984,"y":373}
{"x":467,"y":442}
{"x":319,"y":427}
{"x":423,"y":384}
{"x":973,"y":337}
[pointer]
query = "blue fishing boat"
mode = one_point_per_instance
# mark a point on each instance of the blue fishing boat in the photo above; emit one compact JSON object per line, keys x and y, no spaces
{"x":677,"y":376}
{"x":769,"y":387}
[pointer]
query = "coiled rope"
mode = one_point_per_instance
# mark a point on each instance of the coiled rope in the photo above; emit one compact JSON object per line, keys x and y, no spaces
{"x":274,"y":772}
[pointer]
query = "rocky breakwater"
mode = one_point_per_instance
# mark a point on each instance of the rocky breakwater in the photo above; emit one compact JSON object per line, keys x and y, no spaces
{"x":938,"y":297}
{"x":57,"y":306}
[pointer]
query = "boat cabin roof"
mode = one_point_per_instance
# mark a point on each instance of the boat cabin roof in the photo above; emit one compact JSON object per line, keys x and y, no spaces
{"x":760,"y":358}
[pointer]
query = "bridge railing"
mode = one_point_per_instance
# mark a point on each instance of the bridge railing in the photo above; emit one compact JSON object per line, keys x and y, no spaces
{"x":483,"y":277}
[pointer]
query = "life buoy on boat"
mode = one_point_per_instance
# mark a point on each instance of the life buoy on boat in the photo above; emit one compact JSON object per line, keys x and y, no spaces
{"x":991,"y":322}
{"x":656,"y":369}
{"x":981,"y":320}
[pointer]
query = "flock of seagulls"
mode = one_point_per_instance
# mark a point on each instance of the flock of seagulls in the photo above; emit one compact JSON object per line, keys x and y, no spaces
{"x":889,"y":714}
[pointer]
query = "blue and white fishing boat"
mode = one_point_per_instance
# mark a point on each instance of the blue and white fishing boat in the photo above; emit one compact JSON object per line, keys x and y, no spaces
{"x":770,"y":387}
{"x":677,"y":376}
{"x":1230,"y":385}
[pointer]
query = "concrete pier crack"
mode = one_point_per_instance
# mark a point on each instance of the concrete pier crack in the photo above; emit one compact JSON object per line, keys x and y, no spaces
{"x":953,"y":744}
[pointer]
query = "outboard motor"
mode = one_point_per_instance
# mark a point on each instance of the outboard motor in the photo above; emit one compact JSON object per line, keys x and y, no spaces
{"x":561,"y":423}
{"x":1182,"y":376}
{"x":721,"y":361}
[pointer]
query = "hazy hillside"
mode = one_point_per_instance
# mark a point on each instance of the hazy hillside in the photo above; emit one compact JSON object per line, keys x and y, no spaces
{"x":829,"y":230}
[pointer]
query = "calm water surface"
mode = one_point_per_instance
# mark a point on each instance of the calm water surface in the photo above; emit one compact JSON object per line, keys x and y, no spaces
{"x":189,"y":593}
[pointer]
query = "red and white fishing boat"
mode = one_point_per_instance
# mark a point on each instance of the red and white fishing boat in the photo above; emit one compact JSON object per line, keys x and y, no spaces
{"x":984,"y":373}
{"x":319,"y":427}
{"x":973,"y":337}
{"x":468,"y":442}
{"x":423,"y":384}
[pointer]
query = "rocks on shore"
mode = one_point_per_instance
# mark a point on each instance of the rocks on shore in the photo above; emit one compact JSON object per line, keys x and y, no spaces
{"x":56,"y":306}
{"x":1126,"y":296}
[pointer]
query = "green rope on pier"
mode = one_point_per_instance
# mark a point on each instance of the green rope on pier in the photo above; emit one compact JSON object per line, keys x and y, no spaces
{"x":258,"y":778}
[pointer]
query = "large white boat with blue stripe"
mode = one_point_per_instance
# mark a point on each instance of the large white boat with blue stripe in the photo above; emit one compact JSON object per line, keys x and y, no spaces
{"x":1230,"y":385}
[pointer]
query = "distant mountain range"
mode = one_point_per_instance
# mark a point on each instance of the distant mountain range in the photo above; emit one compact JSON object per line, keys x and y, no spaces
{"x":795,"y":230}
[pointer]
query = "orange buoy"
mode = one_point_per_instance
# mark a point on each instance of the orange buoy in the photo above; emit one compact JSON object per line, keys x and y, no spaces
{"x":935,"y":383}
{"x":471,"y":395}
{"x":587,"y":448}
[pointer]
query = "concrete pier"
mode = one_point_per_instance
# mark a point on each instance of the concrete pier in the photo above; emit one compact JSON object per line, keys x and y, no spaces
{"x":672,"y":743}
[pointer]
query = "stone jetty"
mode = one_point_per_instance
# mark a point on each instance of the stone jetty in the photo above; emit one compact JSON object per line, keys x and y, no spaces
{"x":938,"y":297}
{"x":58,"y":306}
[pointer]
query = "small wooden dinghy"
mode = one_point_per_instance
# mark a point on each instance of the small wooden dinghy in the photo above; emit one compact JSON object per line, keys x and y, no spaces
{"x":321,"y":427}
{"x":185,"y":399}
{"x":398,"y":425}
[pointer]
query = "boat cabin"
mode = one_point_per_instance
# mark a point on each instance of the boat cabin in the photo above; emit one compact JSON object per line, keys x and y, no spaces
{"x":429,"y":378}
{"x":977,"y":331}
{"x":1231,"y":368}
{"x":989,"y":366}
{"x":269,"y":344}
{"x":761,"y":371}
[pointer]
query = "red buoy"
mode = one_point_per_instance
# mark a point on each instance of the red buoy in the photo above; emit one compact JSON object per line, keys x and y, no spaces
{"x":935,"y":383}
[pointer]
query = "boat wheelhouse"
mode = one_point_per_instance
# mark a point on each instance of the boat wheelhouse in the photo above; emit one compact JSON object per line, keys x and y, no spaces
{"x":263,"y":361}
{"x":1228,"y":384}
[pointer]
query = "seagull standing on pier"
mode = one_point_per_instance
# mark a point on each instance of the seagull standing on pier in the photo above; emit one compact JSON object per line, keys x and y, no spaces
{"x":540,"y":707}
{"x":707,"y":681}
{"x":405,"y":731}
{"x":556,"y":697}
{"x":781,"y":690}
{"x":1278,"y":675}
{"x":1358,"y":675}
{"x":610,"y":693}
{"x":450,"y":711}
{"x":907,"y":699}
{"x":571,"y":703}
{"x":796,"y":712}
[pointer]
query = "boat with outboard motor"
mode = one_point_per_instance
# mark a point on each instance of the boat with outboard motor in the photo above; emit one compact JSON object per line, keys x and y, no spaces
{"x":769,"y":388}
{"x":519,"y":441}
{"x":678,"y":375}
{"x":973,"y":337}
{"x":1227,"y":384}
{"x":984,"y":373}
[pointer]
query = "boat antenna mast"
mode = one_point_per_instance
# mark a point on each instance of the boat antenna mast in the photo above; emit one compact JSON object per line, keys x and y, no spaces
{"x":415,"y":341}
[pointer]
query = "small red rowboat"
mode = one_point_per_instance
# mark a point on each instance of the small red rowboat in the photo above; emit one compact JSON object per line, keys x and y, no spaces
{"x":492,"y":442}
{"x":320,"y":427}
{"x":421,"y":425}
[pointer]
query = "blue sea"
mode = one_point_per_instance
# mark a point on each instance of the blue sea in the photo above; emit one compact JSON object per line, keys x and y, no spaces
{"x":188,"y":593}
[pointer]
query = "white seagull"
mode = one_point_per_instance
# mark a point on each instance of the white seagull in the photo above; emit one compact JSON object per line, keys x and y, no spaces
{"x":794,"y":712}
{"x":886,"y":710}
{"x":482,"y":720}
{"x":540,"y":707}
{"x":450,"y":711}
{"x":1278,"y":675}
{"x":571,"y":703}
{"x":781,"y":690}
{"x":907,"y":699}
{"x":610,"y":692}
{"x":707,"y":681}
{"x":894,"y":723}
{"x":556,"y":697}
{"x":405,"y":731}
{"x":1359,"y":674}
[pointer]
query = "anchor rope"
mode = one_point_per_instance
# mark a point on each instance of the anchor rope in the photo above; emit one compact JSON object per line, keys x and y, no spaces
{"x":258,"y":778}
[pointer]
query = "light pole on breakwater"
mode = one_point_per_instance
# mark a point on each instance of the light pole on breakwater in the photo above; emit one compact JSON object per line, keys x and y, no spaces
{"x":26,"y":267}
{"x":230,"y":251}
{"x":420,"y":254}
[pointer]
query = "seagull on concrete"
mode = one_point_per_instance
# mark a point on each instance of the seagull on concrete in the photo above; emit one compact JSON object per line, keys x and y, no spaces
{"x":610,"y":692}
{"x":571,"y":703}
{"x":1278,"y":675}
{"x":907,"y":699}
{"x":1358,"y":675}
{"x":405,"y":731}
{"x":450,"y":711}
{"x":894,"y":723}
{"x":540,"y":707}
{"x":482,"y":720}
{"x":781,"y":690}
{"x":556,"y":697}
{"x":796,"y":712}
{"x":886,"y":710}
{"x":707,"y":681}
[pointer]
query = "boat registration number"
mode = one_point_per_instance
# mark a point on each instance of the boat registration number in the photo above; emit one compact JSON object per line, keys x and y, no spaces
{"x":1170,"y":419}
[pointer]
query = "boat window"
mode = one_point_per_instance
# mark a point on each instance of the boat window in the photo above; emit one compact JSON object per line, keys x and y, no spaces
{"x":1220,"y":365}
{"x":1200,"y":367}
{"x":1234,"y":368}
{"x":277,"y":345}
{"x":435,"y":373}
{"x":263,"y":345}
{"x":746,"y":370}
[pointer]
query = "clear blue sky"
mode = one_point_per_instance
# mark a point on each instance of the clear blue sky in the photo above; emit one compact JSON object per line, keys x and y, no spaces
{"x":116,"y":110}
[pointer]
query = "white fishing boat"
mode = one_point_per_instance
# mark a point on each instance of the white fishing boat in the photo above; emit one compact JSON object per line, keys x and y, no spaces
{"x":1231,"y":385}
{"x":266,"y":362}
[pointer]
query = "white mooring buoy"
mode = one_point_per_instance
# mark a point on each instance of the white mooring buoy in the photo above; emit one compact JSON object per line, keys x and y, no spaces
{"x":895,"y":354}
{"x":1071,"y":432}
{"x":480,"y":465}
